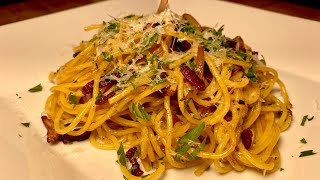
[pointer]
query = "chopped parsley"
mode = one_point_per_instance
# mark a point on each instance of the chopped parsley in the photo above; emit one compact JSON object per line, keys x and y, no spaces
{"x":281,"y":169}
{"x":72,"y":99}
{"x":195,"y":152}
{"x":303,"y":141}
{"x":305,"y":118}
{"x":27,"y":124}
{"x":100,"y":95}
{"x":242,"y":54}
{"x":188,"y":28}
{"x":192,"y":65}
{"x":122,"y":156}
{"x":112,"y":27}
{"x":231,"y":68}
{"x":140,"y":112}
{"x":107,"y":57}
{"x":69,"y":142}
{"x":251,"y":74}
{"x":36,"y":88}
{"x":307,"y":153}
{"x":149,"y":42}
{"x":188,"y":140}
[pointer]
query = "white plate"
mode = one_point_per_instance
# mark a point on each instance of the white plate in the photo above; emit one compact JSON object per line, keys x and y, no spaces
{"x":30,"y":49}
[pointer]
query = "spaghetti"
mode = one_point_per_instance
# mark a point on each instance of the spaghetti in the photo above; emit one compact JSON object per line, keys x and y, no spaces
{"x":176,"y":94}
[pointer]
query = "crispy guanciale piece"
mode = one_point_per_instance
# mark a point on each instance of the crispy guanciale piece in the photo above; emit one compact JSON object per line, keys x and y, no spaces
{"x":237,"y":44}
{"x":88,"y":88}
{"x":104,"y":99}
{"x":246,"y":137}
{"x":192,"y":78}
{"x":52,"y":136}
{"x":191,"y":19}
{"x":67,"y":138}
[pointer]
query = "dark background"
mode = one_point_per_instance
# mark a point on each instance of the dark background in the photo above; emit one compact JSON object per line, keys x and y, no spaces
{"x":17,"y":10}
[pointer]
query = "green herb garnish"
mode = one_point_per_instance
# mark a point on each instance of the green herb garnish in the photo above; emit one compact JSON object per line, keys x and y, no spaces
{"x":281,"y":169}
{"x":37,"y":88}
{"x":149,"y":42}
{"x":140,"y":112}
{"x":307,"y":153}
{"x":188,"y":28}
{"x":100,"y":95}
{"x":26,"y":124}
{"x":188,"y":140}
{"x":195,"y":152}
{"x":106,"y":56}
{"x":72,"y":99}
{"x":112,"y":27}
{"x":122,"y":156}
{"x":231,"y":68}
{"x":251,"y":74}
{"x":242,"y":54}
{"x":305,"y":118}
{"x":303,"y":141}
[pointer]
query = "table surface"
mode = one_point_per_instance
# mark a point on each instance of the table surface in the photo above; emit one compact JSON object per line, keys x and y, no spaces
{"x":26,"y":9}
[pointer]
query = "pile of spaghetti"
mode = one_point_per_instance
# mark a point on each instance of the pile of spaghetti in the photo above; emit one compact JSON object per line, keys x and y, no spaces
{"x":166,"y":92}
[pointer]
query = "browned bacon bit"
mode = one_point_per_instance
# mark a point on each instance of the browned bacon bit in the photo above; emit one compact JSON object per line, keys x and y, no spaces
{"x":239,"y":44}
{"x":191,"y":19}
{"x":88,"y":88}
{"x":246,"y":137}
{"x":135,"y":169}
{"x":52,"y":136}
{"x":104,"y":99}
{"x":131,"y":152}
{"x":157,"y":94}
{"x":181,"y":46}
{"x":107,"y":83}
{"x":68,"y":138}
{"x":75,"y":54}
{"x":228,"y":116}
{"x":192,"y":78}
{"x":81,"y":100}
{"x":168,"y":92}
{"x":205,"y":110}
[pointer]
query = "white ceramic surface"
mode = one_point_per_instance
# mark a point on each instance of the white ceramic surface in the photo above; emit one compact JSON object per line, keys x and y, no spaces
{"x":30,"y":49}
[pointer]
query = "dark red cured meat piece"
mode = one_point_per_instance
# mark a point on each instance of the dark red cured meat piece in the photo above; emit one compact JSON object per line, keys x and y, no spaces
{"x":205,"y":110}
{"x":192,"y":78}
{"x":181,"y":46}
{"x":104,"y":99}
{"x":246,"y":137}
{"x":228,"y":116}
{"x":88,"y":88}
{"x":130,"y":153}
{"x":68,"y":138}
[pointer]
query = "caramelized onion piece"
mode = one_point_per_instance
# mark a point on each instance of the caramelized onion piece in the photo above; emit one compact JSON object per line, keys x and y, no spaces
{"x":200,"y":62}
